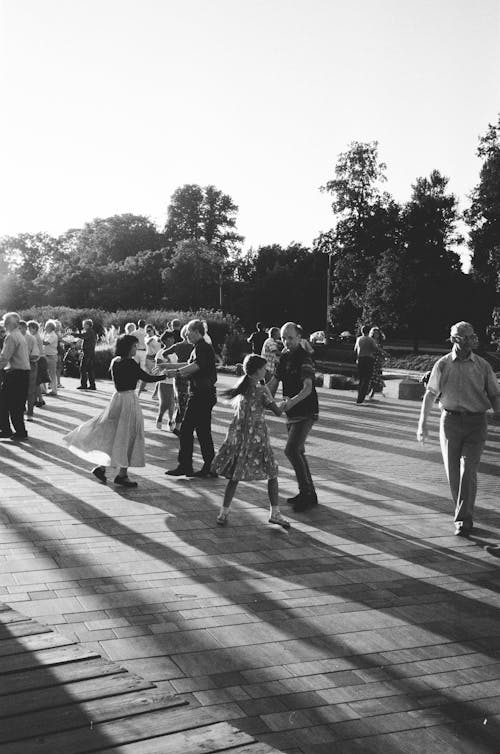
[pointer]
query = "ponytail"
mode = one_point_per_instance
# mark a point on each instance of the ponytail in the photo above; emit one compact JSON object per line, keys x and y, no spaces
{"x":240,"y":388}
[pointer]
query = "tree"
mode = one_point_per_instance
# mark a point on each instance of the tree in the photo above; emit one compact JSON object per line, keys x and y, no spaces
{"x":274,"y":284}
{"x":113,"y":239}
{"x":202,"y":214}
{"x":483,"y":218}
{"x":415,"y":283}
{"x":191,"y":279}
{"x":25,"y":258}
{"x":367,"y":226}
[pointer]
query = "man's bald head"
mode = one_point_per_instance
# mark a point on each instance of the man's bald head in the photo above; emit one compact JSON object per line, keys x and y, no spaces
{"x":290,"y":336}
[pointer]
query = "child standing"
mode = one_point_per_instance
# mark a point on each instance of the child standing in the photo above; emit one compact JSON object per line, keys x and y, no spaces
{"x":246,"y":453}
{"x":116,"y":436}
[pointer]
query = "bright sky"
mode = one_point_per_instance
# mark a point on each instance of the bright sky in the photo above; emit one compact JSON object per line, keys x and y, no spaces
{"x":110,"y":105}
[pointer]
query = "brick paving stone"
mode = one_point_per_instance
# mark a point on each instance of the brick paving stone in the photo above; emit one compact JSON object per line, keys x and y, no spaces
{"x":367,"y":627}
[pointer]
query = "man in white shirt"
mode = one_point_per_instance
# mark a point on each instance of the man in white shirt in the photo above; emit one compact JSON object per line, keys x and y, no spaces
{"x":14,"y":358}
{"x":466,"y":388}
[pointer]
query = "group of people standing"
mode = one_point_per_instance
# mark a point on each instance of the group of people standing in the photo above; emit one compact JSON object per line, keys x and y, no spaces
{"x":30,"y":359}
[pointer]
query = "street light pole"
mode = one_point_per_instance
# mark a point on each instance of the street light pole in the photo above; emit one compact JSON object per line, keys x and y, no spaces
{"x":328,"y":294}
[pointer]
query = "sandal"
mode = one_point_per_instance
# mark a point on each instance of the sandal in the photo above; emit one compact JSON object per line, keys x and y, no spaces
{"x":222,"y":519}
{"x":279,"y":520}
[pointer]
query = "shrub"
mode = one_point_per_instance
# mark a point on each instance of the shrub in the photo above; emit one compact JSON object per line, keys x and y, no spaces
{"x":235,"y":347}
{"x":103,"y":356}
{"x":219,"y":324}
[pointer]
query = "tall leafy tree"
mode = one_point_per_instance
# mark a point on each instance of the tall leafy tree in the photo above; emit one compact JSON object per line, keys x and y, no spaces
{"x":113,"y":239}
{"x":202,"y":214}
{"x":26,"y":258}
{"x":367,"y":225}
{"x":483,"y":218}
{"x":416,"y":283}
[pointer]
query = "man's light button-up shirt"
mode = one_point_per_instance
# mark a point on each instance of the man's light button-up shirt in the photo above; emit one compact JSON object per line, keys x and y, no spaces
{"x":468,"y":385}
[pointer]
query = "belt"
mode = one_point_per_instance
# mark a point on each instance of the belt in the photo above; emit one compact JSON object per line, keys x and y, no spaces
{"x":464,"y":413}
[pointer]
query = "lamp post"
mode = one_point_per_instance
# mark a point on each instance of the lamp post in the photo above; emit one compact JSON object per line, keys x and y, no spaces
{"x":328,"y":294}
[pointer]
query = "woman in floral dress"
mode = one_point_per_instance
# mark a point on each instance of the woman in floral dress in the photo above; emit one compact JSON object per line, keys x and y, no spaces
{"x":246,"y":454}
{"x":377,"y":383}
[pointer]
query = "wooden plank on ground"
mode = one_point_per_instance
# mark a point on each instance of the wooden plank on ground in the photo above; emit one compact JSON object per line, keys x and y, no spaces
{"x":46,"y":657}
{"x":82,"y":714}
{"x":209,"y":738}
{"x":257,"y":747}
{"x":119,"y":732}
{"x":9,"y":616}
{"x":56,"y":675}
{"x":34,"y":643}
{"x":83,"y":691}
{"x":22,"y":628}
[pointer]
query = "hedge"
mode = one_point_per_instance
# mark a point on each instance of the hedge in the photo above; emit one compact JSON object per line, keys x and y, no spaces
{"x":219,"y":324}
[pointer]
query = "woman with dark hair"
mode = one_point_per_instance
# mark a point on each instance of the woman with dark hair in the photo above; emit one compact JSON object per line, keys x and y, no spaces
{"x":246,"y":454}
{"x":115,"y":437}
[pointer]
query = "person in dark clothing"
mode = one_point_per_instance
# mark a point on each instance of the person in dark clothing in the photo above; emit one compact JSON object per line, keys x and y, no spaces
{"x":87,"y":360}
{"x":258,"y":338}
{"x":198,"y":416}
{"x":116,"y":436}
{"x":295,"y":371}
{"x":175,"y":327}
{"x":366,"y":350}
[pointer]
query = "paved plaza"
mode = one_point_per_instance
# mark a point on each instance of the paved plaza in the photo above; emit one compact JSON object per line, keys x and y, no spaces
{"x":368,"y":627}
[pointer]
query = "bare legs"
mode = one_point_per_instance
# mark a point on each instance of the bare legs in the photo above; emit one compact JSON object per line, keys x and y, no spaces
{"x":275,"y":516}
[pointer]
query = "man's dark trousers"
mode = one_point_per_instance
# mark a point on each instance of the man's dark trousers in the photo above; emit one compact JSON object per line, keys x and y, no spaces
{"x":198,"y":417}
{"x":87,"y":370}
{"x":365,"y":371}
{"x":13,"y":395}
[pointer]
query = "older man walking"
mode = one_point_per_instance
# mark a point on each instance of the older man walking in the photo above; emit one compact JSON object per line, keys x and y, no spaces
{"x":296,"y":371}
{"x":466,"y":387}
{"x":14,"y":358}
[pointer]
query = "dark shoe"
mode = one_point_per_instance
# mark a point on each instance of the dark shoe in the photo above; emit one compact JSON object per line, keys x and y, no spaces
{"x":18,"y":436}
{"x":305,"y":502}
{"x":92,"y":387}
{"x":179,"y":471}
{"x":205,"y":474}
{"x":100,"y":473}
{"x":124,"y":481}
{"x":80,"y":387}
{"x":6,"y":434}
{"x":176,"y":431}
{"x":39,"y":404}
{"x":293,"y":500}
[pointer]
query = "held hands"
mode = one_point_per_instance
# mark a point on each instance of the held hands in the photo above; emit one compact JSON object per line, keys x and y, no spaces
{"x":281,"y":407}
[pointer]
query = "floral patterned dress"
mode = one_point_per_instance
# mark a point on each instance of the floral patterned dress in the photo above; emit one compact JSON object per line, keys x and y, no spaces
{"x":246,"y":454}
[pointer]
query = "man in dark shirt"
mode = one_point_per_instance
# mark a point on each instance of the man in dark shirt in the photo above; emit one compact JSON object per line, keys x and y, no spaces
{"x":296,"y":371}
{"x":87,"y":362}
{"x":202,"y":375}
{"x":257,"y":339}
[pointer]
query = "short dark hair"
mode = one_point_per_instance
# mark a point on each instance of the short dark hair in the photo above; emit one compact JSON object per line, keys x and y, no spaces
{"x":141,"y":323}
{"x":260,"y":326}
{"x":365,"y":329}
{"x":123,"y":345}
{"x":196,"y":324}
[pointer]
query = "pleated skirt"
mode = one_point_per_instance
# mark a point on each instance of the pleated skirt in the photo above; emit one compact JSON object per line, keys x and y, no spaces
{"x":113,"y":438}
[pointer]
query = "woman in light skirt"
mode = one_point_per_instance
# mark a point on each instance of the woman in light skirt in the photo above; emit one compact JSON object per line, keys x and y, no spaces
{"x":115,"y":438}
